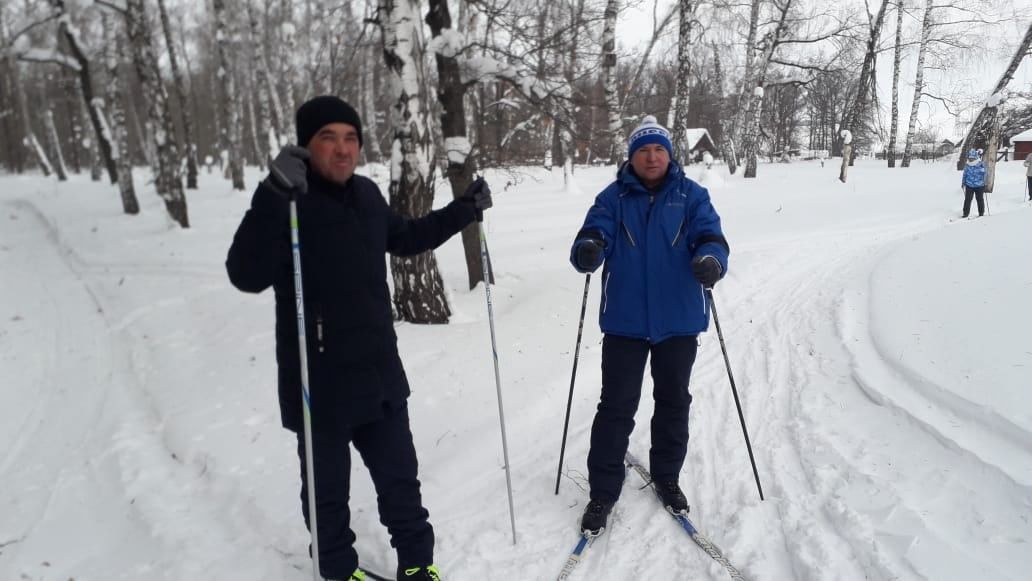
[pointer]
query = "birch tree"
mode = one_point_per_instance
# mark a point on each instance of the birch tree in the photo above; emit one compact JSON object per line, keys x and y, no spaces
{"x":451,"y":92}
{"x":418,"y":290}
{"x":890,"y":152}
{"x":113,"y":58}
{"x":684,"y":74}
{"x":184,"y":102}
{"x":926,"y":30}
{"x":231,"y":134}
{"x":163,"y":135}
{"x":54,"y":144}
{"x":614,"y":128}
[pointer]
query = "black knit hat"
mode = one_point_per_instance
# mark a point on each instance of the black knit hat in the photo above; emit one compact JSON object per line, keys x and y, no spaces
{"x":320,"y":112}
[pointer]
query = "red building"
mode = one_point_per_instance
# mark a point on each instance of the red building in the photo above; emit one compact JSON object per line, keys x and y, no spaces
{"x":1022,"y":144}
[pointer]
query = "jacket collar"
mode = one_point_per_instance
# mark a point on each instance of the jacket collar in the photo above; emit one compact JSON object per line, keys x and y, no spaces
{"x":317,"y":183}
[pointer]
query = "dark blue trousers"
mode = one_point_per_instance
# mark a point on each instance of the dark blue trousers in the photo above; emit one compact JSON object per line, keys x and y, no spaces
{"x":623,"y":368}
{"x":387,"y":450}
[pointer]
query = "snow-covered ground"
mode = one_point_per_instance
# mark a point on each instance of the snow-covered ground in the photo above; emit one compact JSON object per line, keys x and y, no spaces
{"x":880,"y":347}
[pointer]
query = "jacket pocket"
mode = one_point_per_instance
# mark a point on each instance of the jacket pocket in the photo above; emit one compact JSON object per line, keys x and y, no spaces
{"x":605,"y":290}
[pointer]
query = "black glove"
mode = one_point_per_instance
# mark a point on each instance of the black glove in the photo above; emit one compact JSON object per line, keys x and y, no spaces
{"x":288,"y":173}
{"x":589,"y":254}
{"x":478,"y":195}
{"x":707,"y":270}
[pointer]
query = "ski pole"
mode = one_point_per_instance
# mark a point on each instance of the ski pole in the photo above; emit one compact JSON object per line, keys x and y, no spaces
{"x":310,"y":469}
{"x":494,"y":351}
{"x":306,"y":398}
{"x":734,"y":391}
{"x":573,"y":378}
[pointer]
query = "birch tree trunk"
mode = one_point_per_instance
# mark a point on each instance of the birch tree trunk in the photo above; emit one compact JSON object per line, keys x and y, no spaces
{"x":684,"y":77}
{"x":86,"y":84}
{"x":418,"y":289}
{"x":727,"y":149}
{"x":231,"y":135}
{"x":991,"y":149}
{"x":184,"y":101}
{"x":113,"y":43}
{"x":268,"y":96}
{"x":167,"y":179}
{"x":890,"y":153}
{"x":54,"y":144}
{"x":926,"y":31}
{"x":461,"y":164}
{"x":1005,"y":79}
{"x":751,"y":139}
{"x":96,"y":157}
{"x":864,"y":85}
{"x":614,"y":128}
{"x":371,"y":131}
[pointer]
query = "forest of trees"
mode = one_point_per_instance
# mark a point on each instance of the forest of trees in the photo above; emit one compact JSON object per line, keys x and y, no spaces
{"x":177,"y":86}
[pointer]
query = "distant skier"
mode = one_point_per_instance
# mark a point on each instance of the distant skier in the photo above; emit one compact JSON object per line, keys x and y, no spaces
{"x":358,"y":387}
{"x":662,"y":244}
{"x":973,"y":183}
{"x":1028,"y":176}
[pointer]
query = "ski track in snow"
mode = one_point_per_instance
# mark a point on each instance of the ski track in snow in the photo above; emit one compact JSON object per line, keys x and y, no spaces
{"x":152,"y":449}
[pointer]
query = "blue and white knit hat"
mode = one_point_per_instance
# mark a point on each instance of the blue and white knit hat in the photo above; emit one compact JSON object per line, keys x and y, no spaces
{"x":973,"y":154}
{"x":649,"y":131}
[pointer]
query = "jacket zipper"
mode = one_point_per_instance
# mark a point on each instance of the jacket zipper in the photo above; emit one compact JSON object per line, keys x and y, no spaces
{"x":605,"y":292}
{"x":678,"y":235}
{"x":627,"y":231}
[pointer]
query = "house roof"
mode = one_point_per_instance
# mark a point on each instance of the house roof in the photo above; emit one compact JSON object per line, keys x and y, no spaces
{"x":696,"y":135}
{"x":1023,"y":136}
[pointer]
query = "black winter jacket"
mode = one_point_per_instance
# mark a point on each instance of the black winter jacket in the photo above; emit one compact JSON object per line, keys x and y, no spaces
{"x":353,"y":362}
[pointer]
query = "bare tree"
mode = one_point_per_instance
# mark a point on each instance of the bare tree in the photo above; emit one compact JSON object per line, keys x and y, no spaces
{"x":926,"y":31}
{"x":231,"y":136}
{"x":167,"y":178}
{"x":418,"y":289}
{"x":862,"y":97}
{"x":890,"y":152}
{"x":614,"y":128}
{"x":686,"y":19}
{"x":184,"y":102}
{"x":54,"y":144}
{"x":115,"y":84}
{"x":986,"y":113}
{"x":450,"y":94}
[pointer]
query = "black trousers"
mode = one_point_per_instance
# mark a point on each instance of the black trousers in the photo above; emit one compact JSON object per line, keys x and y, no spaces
{"x":979,"y":194}
{"x":387,"y":450}
{"x":1028,"y":187}
{"x":623,"y":368}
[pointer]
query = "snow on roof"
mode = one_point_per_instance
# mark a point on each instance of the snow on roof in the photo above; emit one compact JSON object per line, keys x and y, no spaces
{"x":1023,"y":136}
{"x":695,"y":136}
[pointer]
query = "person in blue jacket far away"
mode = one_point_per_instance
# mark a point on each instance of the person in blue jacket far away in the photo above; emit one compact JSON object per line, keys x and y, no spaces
{"x":659,"y":239}
{"x":973,"y":183}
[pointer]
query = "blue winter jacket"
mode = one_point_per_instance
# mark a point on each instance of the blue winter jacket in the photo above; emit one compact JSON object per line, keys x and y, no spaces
{"x":648,"y":289}
{"x":974,"y":175}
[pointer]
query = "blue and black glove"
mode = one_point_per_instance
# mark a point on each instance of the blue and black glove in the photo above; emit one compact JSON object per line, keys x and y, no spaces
{"x":589,"y":254}
{"x":707,"y":270}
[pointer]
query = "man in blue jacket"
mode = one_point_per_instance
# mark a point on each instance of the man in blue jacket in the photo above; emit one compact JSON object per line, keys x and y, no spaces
{"x":974,"y":183}
{"x":662,"y":245}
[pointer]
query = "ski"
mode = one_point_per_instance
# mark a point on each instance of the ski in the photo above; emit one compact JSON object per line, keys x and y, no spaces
{"x":583,"y":543}
{"x":711,"y":549}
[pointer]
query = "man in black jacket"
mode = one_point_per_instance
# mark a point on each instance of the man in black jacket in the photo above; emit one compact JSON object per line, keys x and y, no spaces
{"x":357,"y":384}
